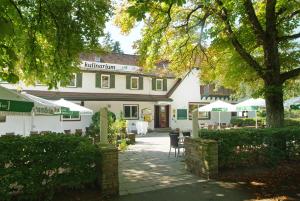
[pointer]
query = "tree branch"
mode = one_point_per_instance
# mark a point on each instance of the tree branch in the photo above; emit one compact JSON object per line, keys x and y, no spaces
{"x":290,"y":74}
{"x":289,"y":37}
{"x":16,"y":7}
{"x":258,"y":30}
{"x":237,"y":45}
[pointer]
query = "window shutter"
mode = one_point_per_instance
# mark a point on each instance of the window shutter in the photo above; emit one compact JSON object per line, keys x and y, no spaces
{"x":141,"y":83}
{"x":154,"y":84}
{"x":128,"y":81}
{"x":165,"y":84}
{"x":98,"y":80}
{"x":112,"y":80}
{"x":79,"y":80}
{"x":181,"y":114}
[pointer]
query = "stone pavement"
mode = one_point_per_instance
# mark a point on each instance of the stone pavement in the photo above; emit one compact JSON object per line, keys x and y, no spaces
{"x":146,"y":173}
{"x":146,"y":166}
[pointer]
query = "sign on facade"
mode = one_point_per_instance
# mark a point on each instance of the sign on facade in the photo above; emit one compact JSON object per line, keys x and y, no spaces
{"x":108,"y":66}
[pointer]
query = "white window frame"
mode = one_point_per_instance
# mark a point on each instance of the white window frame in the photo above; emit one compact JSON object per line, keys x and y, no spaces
{"x":162,"y":83}
{"x":131,"y":117}
{"x":75,"y":81}
{"x":105,"y":75}
{"x":70,"y":118}
{"x":132,"y":78}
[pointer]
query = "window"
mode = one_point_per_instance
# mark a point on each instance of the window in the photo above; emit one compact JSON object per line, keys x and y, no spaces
{"x":134,"y":82}
{"x":159,"y":84}
{"x":73,"y":81}
{"x":73,"y":116}
{"x":2,"y":119}
{"x":201,"y":115}
{"x":105,"y":80}
{"x":131,"y":111}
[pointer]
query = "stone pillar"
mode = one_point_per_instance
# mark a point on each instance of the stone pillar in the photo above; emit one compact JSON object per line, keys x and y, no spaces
{"x":108,"y":175}
{"x":201,"y":157}
{"x":103,"y":125}
{"x":195,"y":133}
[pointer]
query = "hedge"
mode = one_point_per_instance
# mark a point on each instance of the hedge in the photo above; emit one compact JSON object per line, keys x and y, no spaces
{"x":254,"y":147}
{"x":243,"y":122}
{"x":33,"y":168}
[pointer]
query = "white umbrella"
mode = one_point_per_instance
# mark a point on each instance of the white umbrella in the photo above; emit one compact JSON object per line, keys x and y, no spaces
{"x":251,"y":104}
{"x":292,"y":102}
{"x":217,"y":106}
{"x":74,"y":107}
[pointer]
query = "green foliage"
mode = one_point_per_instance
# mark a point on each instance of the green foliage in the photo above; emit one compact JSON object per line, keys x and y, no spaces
{"x":94,"y":128}
{"x":242,"y":122}
{"x":251,"y":147}
{"x":109,"y":45}
{"x":41,"y":40}
{"x":37,"y":166}
{"x":123,"y":145}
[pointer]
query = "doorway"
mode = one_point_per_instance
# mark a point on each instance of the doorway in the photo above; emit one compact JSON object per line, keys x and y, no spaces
{"x":161,"y":116}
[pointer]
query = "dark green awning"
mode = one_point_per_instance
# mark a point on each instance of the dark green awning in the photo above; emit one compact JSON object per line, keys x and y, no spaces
{"x":15,"y":106}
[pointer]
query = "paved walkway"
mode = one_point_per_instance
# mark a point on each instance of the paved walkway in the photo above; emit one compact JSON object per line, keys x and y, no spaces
{"x":146,"y":173}
{"x":146,"y":166}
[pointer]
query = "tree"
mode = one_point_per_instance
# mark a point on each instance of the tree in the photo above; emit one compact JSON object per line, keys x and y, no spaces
{"x":109,"y":45}
{"x":41,"y":40}
{"x":117,"y":47}
{"x":234,"y":42}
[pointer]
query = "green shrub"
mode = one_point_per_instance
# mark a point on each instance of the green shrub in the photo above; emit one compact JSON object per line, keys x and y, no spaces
{"x":251,"y":147}
{"x":292,"y":122}
{"x":35,"y":167}
{"x":243,"y":122}
{"x":94,"y":128}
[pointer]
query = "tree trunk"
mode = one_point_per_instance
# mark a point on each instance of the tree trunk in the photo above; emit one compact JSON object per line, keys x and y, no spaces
{"x":274,"y":105}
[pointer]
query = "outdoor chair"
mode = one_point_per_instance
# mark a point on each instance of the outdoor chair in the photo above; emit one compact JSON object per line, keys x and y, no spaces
{"x":78,"y":132}
{"x":67,"y":132}
{"x":34,"y":132}
{"x":186,"y":133}
{"x":174,"y":143}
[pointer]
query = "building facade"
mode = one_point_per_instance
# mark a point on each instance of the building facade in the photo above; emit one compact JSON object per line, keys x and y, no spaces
{"x":117,"y":82}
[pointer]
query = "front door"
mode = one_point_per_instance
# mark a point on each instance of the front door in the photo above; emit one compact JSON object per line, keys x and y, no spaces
{"x":162,"y":116}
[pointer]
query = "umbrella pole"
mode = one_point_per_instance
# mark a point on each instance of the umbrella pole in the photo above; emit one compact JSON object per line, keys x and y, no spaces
{"x":219,"y":120}
{"x":255,"y":118}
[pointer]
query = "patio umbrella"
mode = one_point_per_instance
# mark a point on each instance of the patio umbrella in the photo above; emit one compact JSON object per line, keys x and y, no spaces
{"x":293,"y":103}
{"x":69,"y":107}
{"x":217,"y":106}
{"x":13,"y":103}
{"x":251,"y":105}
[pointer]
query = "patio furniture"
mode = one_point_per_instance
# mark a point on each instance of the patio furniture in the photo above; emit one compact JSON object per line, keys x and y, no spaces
{"x":174,"y":143}
{"x":34,"y":132}
{"x":186,"y":133}
{"x":78,"y":132}
{"x":68,"y":132}
{"x":10,"y":134}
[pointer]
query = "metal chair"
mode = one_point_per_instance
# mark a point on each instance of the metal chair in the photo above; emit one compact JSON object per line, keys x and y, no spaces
{"x":186,"y":133}
{"x":174,"y":143}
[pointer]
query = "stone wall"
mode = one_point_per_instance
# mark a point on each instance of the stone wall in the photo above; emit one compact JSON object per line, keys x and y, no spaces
{"x":108,"y":178}
{"x":202,"y":157}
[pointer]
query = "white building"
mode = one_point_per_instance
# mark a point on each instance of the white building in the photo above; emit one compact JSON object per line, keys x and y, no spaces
{"x":117,"y":82}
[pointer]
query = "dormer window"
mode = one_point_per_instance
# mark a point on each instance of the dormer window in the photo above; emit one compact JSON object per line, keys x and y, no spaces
{"x":97,"y":59}
{"x":134,"y":82}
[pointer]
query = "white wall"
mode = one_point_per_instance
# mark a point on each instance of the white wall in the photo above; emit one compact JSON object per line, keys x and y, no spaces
{"x":117,"y":107}
{"x":187,"y":91}
{"x":22,"y":124}
{"x":89,"y":86}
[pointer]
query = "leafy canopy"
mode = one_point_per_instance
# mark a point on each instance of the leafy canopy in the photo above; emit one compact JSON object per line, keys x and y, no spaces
{"x":41,"y":40}
{"x":202,"y":33}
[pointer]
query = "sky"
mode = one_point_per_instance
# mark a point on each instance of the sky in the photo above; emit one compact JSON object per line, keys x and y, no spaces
{"x":126,"y":41}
